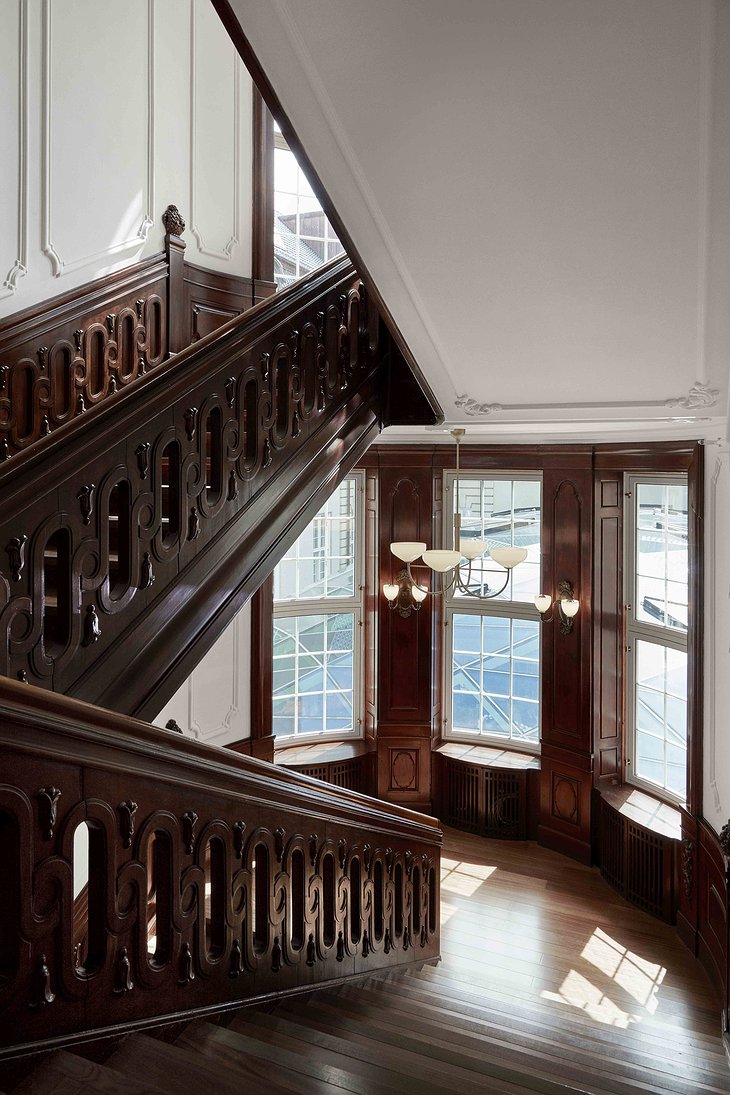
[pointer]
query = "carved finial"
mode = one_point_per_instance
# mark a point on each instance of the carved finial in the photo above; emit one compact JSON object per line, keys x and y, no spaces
{"x":340,"y":955}
{"x":276,"y":955}
{"x":92,"y":627}
{"x":142,"y":452}
{"x":147,"y":577}
{"x":45,"y":426}
{"x":406,"y":938}
{"x":311,"y":951}
{"x":232,"y":486}
{"x":127,"y":810}
{"x":187,"y":973}
{"x":123,"y":974}
{"x":172,"y":725}
{"x":279,"y":835}
{"x":313,"y":840}
{"x":365,"y":944}
{"x":86,"y":501}
{"x":190,"y":820}
{"x":173,"y":222}
{"x":725,"y":839}
{"x":193,"y":524}
{"x":230,"y":390}
{"x":387,"y":943}
{"x":236,"y":967}
{"x":16,"y":555}
{"x":49,"y":797}
{"x":42,"y":994}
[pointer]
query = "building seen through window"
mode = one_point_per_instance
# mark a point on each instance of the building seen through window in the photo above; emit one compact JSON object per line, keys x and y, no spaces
{"x":492,"y":648}
{"x":317,"y":618}
{"x":303,"y":237}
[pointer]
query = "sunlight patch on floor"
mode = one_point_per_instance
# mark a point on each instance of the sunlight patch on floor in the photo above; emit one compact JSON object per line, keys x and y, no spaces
{"x":463,"y":878}
{"x":634,"y":974}
{"x":578,"y":992}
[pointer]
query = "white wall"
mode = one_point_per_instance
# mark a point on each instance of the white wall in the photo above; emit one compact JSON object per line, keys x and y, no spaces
{"x":110,"y":112}
{"x":214,"y":703}
{"x":716,"y":782}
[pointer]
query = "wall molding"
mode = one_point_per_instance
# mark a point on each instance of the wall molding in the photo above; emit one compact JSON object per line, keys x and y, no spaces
{"x":226,"y":253}
{"x":699,"y":395}
{"x":20,"y":264}
{"x":60,"y":265}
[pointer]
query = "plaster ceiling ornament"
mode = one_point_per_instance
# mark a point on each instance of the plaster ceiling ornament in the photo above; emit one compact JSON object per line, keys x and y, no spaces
{"x":472,"y":407}
{"x":699,"y":395}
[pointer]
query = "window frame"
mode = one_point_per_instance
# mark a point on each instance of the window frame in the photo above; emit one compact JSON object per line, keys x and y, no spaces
{"x":495,"y":607}
{"x":331,"y":606}
{"x":636,"y":631}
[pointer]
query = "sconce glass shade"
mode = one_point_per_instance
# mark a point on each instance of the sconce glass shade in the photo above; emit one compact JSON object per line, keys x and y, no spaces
{"x":441,"y":561}
{"x":472,"y":549}
{"x":508,"y":557}
{"x":418,"y":594}
{"x":391,"y":591}
{"x":570,"y":607}
{"x":408,"y":551}
{"x":542,"y":603}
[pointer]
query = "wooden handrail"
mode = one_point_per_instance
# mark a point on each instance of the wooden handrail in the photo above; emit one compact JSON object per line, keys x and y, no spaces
{"x":303,"y":882}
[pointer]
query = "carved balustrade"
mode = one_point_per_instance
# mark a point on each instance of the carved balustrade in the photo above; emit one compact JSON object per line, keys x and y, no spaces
{"x":211,"y":879}
{"x":100,"y":525}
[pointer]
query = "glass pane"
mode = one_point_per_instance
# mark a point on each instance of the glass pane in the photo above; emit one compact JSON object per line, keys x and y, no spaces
{"x":661,"y":554}
{"x":661,"y":716}
{"x":313,"y":674}
{"x":300,"y":226}
{"x":321,"y":563}
{"x":504,"y":513}
{"x":495,"y":677}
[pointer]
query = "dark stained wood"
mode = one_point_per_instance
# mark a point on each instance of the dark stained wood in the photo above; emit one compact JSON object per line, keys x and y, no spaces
{"x":608,"y":627}
{"x":344,"y":764}
{"x":210,"y":495}
{"x":263,"y":191}
{"x":261,"y":880}
{"x":262,"y":640}
{"x":233,"y":27}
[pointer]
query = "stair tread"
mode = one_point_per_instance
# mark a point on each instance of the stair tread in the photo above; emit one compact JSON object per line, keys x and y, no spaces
{"x":310,"y":1057}
{"x":179,"y":1070}
{"x":65,"y":1073}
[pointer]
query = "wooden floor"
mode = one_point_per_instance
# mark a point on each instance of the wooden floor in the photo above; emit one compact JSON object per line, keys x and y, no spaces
{"x":548,"y":982}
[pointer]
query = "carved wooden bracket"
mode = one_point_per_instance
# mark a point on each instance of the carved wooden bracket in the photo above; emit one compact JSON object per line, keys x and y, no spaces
{"x":187,"y":973}
{"x":127,"y":810}
{"x":42,"y":995}
{"x":48,"y":811}
{"x":239,"y":828}
{"x":190,"y":820}
{"x":688,"y":865}
{"x":123,"y":974}
{"x":16,"y":555}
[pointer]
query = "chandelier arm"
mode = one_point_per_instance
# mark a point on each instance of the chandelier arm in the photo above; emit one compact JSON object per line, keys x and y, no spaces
{"x":485,"y":596}
{"x":424,"y":589}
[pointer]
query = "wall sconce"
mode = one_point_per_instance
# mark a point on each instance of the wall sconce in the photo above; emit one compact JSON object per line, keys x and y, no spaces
{"x":567,"y":606}
{"x":404,"y":594}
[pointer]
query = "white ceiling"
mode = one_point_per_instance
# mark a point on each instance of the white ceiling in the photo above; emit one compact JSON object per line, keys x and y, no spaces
{"x":540,"y":190}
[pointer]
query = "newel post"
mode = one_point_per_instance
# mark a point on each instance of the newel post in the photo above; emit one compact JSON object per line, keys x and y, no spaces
{"x":177,"y":333}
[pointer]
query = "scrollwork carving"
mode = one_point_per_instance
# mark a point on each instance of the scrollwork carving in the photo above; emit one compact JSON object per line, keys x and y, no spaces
{"x":15,"y":551}
{"x":190,"y":820}
{"x":123,"y":974}
{"x":173,"y":221}
{"x":42,"y":994}
{"x":48,"y":799}
{"x":86,"y":502}
{"x":127,"y":810}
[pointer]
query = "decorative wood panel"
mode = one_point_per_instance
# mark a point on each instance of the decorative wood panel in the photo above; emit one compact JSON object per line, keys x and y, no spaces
{"x":404,"y":764}
{"x":713,"y":920}
{"x":352,"y":773}
{"x":154,"y":492}
{"x":608,"y":628}
{"x":211,"y":881}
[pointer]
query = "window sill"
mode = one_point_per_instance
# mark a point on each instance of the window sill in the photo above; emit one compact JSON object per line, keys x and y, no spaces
{"x":319,"y":752}
{"x":489,"y":756}
{"x":647,"y":810}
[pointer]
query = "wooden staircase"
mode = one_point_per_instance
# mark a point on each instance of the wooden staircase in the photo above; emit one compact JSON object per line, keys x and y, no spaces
{"x":528,"y":996}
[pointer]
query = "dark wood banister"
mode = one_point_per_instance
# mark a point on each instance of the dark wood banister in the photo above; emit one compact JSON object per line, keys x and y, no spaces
{"x":313,"y":883}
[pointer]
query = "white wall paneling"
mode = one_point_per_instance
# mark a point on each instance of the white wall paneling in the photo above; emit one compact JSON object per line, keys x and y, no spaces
{"x":214,"y":703}
{"x":111,"y":112}
{"x":14,"y":61}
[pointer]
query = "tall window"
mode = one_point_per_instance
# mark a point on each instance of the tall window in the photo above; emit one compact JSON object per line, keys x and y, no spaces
{"x":657,"y":617}
{"x":492,"y":647}
{"x":303,"y":237}
{"x":317,"y":621}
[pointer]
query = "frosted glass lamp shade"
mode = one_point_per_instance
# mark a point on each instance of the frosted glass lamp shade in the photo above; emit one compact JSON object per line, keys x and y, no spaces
{"x":472,"y":549}
{"x":391,"y":591}
{"x":508,"y":557}
{"x":570,"y":607}
{"x":408,"y":551}
{"x":542,"y":603}
{"x":418,"y":594}
{"x":441,"y":561}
